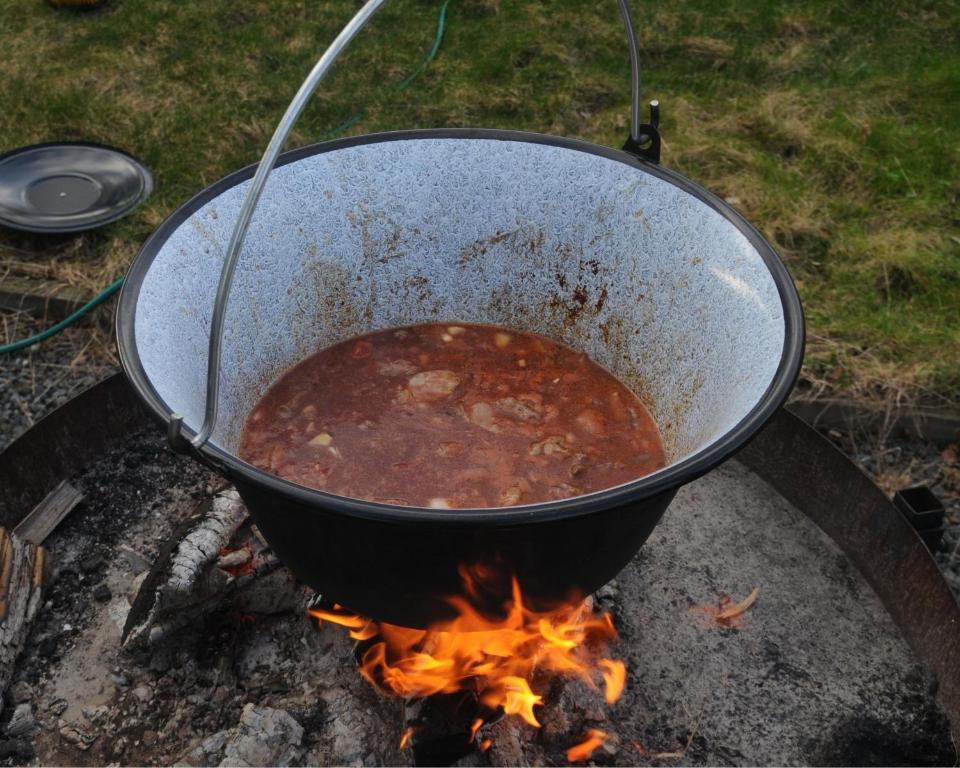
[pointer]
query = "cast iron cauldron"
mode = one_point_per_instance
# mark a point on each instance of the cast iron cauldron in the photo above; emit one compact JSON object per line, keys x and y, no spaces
{"x":654,"y":277}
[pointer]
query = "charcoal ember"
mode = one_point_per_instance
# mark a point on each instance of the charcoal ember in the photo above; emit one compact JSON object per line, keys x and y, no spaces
{"x":47,"y":646}
{"x":359,"y":728}
{"x":441,"y":726}
{"x":136,"y":561}
{"x":676,"y":662}
{"x":22,"y":721}
{"x":264,"y":736}
{"x":210,"y":561}
{"x":102,"y":593}
{"x":16,"y":749}
{"x":120,"y":746}
{"x":275,"y":592}
{"x":514,"y":744}
{"x":234,"y":559}
{"x":20,"y":692}
{"x":209,"y":751}
{"x":608,"y":591}
{"x":91,"y":563}
{"x":474,"y":759}
{"x":161,"y":660}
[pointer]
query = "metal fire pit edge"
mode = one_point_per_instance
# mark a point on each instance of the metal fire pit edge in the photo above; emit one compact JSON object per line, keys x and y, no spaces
{"x":814,"y":475}
{"x":788,"y":454}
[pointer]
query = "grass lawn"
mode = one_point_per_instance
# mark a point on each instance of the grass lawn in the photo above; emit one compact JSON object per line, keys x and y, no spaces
{"x":835,"y":127}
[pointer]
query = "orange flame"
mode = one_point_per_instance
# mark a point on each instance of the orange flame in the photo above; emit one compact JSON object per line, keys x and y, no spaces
{"x":614,"y":678}
{"x":580,"y":752}
{"x":499,"y":658}
{"x":405,"y":739}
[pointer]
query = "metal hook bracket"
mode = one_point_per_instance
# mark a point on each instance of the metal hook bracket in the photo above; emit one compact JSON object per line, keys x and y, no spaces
{"x":647,"y":143}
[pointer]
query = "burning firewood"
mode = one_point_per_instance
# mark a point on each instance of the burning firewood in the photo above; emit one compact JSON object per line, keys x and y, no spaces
{"x":595,"y":739}
{"x":481,"y":683}
{"x":21,"y":595}
{"x":211,"y":557}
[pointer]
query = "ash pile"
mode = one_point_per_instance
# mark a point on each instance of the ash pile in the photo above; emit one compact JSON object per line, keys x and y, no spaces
{"x":163,"y":631}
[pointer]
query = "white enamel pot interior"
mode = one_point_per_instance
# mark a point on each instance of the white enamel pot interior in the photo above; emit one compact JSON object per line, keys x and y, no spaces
{"x":654,"y":277}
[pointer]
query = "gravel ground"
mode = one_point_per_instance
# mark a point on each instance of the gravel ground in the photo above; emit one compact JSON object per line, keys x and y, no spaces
{"x":40,"y":378}
{"x":897,"y":463}
{"x":37,"y":380}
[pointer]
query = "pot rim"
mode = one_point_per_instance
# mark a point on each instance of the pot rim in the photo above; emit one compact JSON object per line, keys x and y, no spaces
{"x":661,"y":481}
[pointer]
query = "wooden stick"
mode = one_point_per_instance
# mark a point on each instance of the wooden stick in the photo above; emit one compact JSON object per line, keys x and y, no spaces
{"x":39,"y":566}
{"x":48,"y":514}
{"x":6,"y":569}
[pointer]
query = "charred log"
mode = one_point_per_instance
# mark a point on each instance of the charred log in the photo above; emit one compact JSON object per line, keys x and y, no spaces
{"x":209,"y":561}
{"x":21,"y":595}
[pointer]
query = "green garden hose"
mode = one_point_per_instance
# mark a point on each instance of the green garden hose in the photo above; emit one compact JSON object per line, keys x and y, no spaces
{"x":53,"y":330}
{"x":407,"y":81}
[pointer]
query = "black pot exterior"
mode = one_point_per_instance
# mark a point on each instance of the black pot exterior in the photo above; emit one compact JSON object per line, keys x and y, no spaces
{"x":399,"y":565}
{"x":404,"y":574}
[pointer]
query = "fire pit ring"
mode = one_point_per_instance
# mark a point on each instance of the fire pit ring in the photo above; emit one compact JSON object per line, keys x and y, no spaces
{"x":654,"y":277}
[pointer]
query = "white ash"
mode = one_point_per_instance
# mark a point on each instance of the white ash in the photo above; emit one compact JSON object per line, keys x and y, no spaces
{"x":265,"y":736}
{"x":201,"y":545}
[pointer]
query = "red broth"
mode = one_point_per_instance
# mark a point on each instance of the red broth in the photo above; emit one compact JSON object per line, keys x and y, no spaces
{"x":451,"y":416}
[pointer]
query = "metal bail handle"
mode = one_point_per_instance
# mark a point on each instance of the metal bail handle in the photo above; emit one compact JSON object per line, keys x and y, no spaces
{"x":644,"y":141}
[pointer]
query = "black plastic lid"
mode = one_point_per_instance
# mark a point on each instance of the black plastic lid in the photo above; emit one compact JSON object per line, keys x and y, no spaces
{"x":69,"y":187}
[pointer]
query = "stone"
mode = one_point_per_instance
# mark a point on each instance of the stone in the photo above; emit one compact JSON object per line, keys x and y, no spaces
{"x":95,"y":714}
{"x":142,"y":694}
{"x":76,"y":737}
